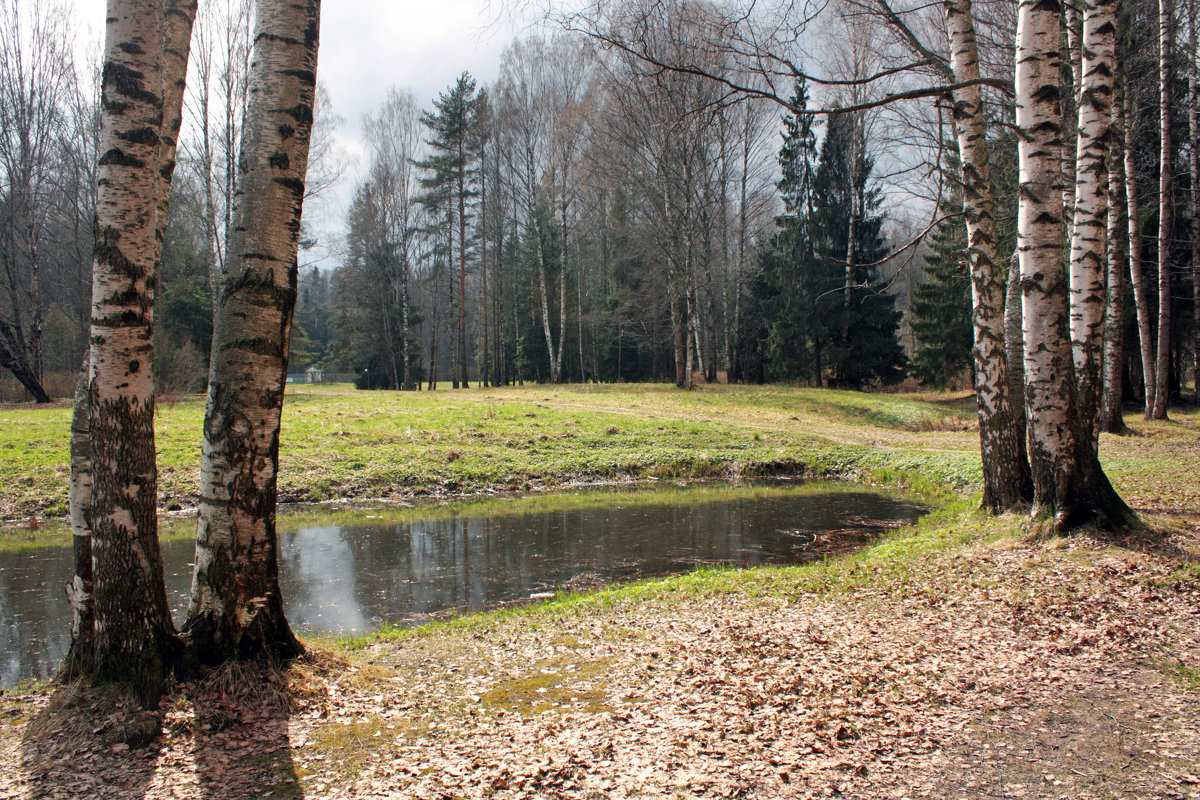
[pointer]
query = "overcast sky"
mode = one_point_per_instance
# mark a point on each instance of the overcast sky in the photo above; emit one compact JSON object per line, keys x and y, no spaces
{"x":370,"y":45}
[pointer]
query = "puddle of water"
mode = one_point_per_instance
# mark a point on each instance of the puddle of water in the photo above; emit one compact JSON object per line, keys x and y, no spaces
{"x":349,"y":572}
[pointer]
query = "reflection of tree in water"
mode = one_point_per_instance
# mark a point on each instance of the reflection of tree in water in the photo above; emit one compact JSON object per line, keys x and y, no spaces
{"x":349,"y":579}
{"x":415,"y":569}
{"x":321,"y":588}
{"x":35,"y":621}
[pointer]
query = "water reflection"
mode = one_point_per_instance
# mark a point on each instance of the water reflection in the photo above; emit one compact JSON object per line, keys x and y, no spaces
{"x":405,"y":566}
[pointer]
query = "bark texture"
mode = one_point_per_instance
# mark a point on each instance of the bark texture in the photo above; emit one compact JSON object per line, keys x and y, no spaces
{"x":1137,"y":275}
{"x":1014,"y":348}
{"x":236,"y":611}
{"x":1194,"y":135}
{"x":178,"y":18}
{"x":134,"y":636}
{"x":1089,"y":233}
{"x":79,"y":590}
{"x":1166,"y":213}
{"x":1006,"y":474}
{"x":1111,"y":396}
{"x":1068,"y":481}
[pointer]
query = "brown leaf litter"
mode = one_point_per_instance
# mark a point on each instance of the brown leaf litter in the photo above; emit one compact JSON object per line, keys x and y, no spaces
{"x":1060,"y":669}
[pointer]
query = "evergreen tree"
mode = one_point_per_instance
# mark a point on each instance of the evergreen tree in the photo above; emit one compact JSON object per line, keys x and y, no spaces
{"x":864,"y":347}
{"x":790,"y":293}
{"x":942,"y":306}
{"x":452,"y":188}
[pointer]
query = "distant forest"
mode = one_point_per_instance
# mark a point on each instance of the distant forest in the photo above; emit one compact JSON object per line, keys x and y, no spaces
{"x":593,"y":215}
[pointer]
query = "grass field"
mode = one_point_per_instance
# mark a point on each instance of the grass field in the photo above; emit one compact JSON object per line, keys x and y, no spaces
{"x":340,"y":443}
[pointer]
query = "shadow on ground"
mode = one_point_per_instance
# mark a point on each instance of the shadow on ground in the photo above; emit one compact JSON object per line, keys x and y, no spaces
{"x":221,"y":737}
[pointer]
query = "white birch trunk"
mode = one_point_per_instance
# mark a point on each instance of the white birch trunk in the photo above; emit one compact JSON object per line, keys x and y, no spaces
{"x":1194,"y":136}
{"x":1005,"y":463}
{"x":236,"y":610}
{"x":1137,"y":275}
{"x":1088,"y":235}
{"x":1111,"y":418}
{"x":134,"y":636}
{"x":1068,"y":482}
{"x":1166,"y":212}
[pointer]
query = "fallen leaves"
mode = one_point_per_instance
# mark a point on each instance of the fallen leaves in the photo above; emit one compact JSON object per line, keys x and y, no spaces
{"x":1013,"y":670}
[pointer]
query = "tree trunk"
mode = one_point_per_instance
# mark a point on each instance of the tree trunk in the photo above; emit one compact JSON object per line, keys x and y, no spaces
{"x":12,"y":359}
{"x":1137,"y":275}
{"x":545,"y":298}
{"x":79,"y":590}
{"x":1088,"y":250}
{"x":134,"y":638}
{"x":485,"y":376}
{"x":178,"y":18}
{"x":1166,"y":213}
{"x":1111,"y":418}
{"x":1069,"y":483}
{"x":1006,"y":477}
{"x":562,"y":299}
{"x":462,"y":271}
{"x":236,"y":610}
{"x":1073,"y":28}
{"x":1194,"y":136}
{"x":1014,"y":349}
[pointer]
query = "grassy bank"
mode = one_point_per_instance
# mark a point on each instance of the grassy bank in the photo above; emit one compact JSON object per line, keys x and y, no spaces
{"x":959,"y":657}
{"x":338,"y":443}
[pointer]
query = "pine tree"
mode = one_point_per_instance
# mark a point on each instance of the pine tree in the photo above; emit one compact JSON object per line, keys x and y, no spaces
{"x":942,"y":306}
{"x":865,"y":347}
{"x":452,"y":185}
{"x":793,"y":285}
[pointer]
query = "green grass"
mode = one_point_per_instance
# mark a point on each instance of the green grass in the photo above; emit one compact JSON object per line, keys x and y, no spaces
{"x":337,"y":443}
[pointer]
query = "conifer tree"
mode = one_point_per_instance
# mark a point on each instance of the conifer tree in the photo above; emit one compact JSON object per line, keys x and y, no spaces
{"x":942,"y":306}
{"x":452,"y":186}
{"x":866,"y":348}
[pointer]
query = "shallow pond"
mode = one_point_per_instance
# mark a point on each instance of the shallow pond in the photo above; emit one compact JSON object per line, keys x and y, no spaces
{"x":346,"y":572}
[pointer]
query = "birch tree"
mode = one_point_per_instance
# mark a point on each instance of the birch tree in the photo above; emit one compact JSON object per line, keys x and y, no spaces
{"x":1005,"y":462}
{"x":134,"y":638}
{"x":93,"y":567}
{"x":35,"y":76}
{"x":1166,"y":211}
{"x":1194,"y":137}
{"x":1069,"y":484}
{"x":1137,"y":275}
{"x":1088,"y":234}
{"x":1113,"y":362}
{"x":236,"y":610}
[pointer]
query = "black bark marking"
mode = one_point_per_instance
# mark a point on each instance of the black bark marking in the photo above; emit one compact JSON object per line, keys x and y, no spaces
{"x":119,"y":158}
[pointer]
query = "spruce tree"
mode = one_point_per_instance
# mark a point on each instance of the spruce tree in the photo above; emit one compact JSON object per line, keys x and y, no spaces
{"x":792,"y":282}
{"x":451,"y":185}
{"x":862,"y":315}
{"x":942,"y":306}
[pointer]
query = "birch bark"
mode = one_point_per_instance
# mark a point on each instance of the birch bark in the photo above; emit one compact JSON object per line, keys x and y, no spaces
{"x":1166,"y":212}
{"x":236,"y":610}
{"x":1194,"y":136}
{"x":1137,"y":275}
{"x":134,"y":637}
{"x":1005,"y":464}
{"x":1111,"y":419}
{"x":1088,"y":234}
{"x":1069,"y":484}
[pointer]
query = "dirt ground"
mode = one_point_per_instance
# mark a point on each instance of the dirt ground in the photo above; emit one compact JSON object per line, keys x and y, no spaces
{"x":1013,"y":667}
